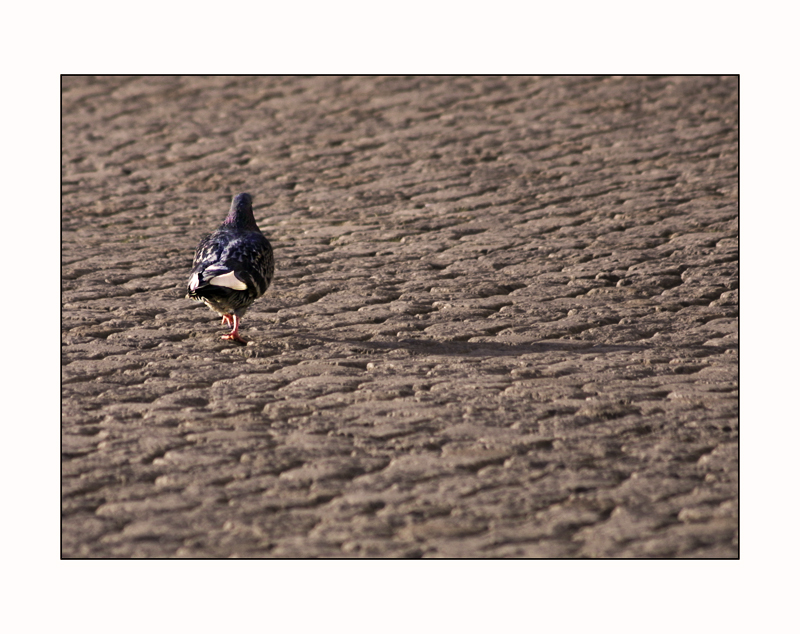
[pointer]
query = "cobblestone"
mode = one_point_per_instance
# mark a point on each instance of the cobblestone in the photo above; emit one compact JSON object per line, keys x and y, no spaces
{"x":504,"y":321}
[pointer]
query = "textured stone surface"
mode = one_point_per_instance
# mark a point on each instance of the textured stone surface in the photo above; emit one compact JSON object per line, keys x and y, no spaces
{"x":504,"y":321}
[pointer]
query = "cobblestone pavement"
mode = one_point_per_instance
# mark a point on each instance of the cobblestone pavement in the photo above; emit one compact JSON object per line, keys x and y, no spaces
{"x":504,"y":321}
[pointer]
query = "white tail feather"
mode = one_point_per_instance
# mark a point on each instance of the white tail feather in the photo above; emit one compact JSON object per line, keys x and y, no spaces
{"x":229,"y":280}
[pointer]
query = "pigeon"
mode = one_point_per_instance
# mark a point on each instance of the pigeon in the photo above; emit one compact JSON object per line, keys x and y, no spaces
{"x":233,"y":266}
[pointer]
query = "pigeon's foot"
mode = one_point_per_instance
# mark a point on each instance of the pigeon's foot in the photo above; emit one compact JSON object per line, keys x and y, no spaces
{"x":233,"y":335}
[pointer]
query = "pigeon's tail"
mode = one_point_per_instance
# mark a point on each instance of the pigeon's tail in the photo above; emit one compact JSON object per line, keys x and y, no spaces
{"x":215,"y":276}
{"x":222,"y":291}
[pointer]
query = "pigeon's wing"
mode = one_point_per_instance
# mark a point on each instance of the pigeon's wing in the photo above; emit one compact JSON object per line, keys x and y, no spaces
{"x":251,"y":258}
{"x":209,"y":264}
{"x":202,"y":251}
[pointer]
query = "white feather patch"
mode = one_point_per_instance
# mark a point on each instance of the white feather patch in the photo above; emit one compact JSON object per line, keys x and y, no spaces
{"x":194,"y":282}
{"x":229,"y":280}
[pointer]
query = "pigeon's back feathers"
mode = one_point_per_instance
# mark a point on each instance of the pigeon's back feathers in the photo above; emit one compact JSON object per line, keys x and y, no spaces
{"x":234,"y":265}
{"x":248,"y":255}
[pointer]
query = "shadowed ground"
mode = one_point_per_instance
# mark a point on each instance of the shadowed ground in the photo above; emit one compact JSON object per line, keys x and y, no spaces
{"x":504,"y":321}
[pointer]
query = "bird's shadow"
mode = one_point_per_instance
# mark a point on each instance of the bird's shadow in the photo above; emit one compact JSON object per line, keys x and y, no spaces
{"x":419,"y":347}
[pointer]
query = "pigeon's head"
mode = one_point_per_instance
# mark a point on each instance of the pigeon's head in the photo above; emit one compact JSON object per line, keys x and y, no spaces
{"x":241,"y":213}
{"x":242,"y":203}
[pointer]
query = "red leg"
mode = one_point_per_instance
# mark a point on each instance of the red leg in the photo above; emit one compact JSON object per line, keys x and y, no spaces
{"x":233,"y":335}
{"x":227,"y":320}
